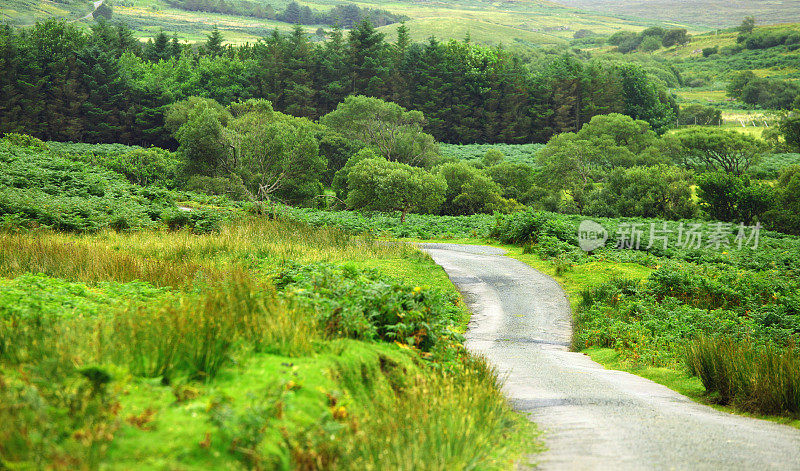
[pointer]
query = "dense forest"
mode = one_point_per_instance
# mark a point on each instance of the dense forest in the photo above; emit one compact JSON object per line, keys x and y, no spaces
{"x":61,"y":83}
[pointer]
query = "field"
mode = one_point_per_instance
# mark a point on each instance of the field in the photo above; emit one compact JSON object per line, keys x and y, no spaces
{"x":516,"y":153}
{"x":519,"y":24}
{"x":706,"y":78}
{"x":220,"y":270}
{"x":711,"y":13}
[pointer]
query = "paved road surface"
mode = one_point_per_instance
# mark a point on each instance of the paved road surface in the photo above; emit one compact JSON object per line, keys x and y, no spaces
{"x":594,"y":418}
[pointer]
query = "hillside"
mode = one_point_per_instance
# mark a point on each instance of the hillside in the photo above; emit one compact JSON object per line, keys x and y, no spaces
{"x":710,"y":13}
{"x":522,"y":23}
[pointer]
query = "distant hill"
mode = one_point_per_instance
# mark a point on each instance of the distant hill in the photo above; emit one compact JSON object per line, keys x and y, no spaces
{"x":518,"y":23}
{"x":710,"y":13}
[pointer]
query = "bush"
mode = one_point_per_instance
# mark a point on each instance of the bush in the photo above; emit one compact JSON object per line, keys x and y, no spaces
{"x":199,"y":221}
{"x":728,"y":197}
{"x":378,"y":184}
{"x":217,"y":186}
{"x":710,"y":51}
{"x":699,"y":114}
{"x":363,"y":305}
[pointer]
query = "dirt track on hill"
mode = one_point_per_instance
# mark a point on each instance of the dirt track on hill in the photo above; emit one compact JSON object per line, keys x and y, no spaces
{"x":593,"y":418}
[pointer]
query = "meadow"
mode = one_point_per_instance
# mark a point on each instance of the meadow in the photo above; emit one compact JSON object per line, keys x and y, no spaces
{"x":266,"y":345}
{"x":195,"y":302}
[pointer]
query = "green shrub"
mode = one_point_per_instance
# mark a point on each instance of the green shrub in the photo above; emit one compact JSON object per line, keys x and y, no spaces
{"x":361,"y":304}
{"x":710,"y":51}
{"x":41,"y":188}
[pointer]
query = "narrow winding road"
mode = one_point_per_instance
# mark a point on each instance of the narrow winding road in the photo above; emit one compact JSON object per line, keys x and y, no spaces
{"x":594,"y":418}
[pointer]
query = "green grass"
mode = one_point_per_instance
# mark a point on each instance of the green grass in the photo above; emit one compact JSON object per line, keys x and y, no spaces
{"x":221,"y":370}
{"x":515,"y":153}
{"x":677,"y":380}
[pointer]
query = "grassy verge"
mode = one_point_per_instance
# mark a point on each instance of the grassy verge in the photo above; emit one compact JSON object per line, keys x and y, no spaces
{"x":268,"y":345}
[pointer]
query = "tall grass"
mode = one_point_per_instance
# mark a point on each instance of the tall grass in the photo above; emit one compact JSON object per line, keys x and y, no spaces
{"x":183,"y":259}
{"x":83,"y":259}
{"x":457,"y":419}
{"x":53,"y":368}
{"x":762,"y":379}
{"x":197,"y":335}
{"x":251,"y":241}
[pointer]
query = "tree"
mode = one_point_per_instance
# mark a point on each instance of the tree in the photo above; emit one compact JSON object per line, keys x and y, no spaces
{"x":159,"y":49}
{"x":337,"y":150}
{"x":369,"y":59}
{"x":729,"y":197}
{"x":653,"y":192}
{"x":103,"y":12}
{"x":738,"y":83}
{"x":675,"y":36}
{"x":395,"y":132}
{"x":650,"y":44}
{"x":789,"y":127}
{"x":213,"y":45}
{"x":770,"y":93}
{"x":341,"y":177}
{"x":643,"y":100}
{"x":747,"y":26}
{"x":699,"y":114}
{"x":620,"y":37}
{"x":515,"y":179}
{"x":198,"y":124}
{"x":276,"y":155}
{"x":381,"y":185}
{"x":469,"y":191}
{"x":573,"y":163}
{"x":716,"y":149}
{"x":785,"y":217}
{"x":292,"y":13}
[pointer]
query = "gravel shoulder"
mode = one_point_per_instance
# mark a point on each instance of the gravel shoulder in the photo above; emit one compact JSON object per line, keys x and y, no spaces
{"x":593,"y":418}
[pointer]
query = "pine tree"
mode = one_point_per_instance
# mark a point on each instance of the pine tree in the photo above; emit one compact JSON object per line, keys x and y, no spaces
{"x":158,"y":49}
{"x":213,"y":45}
{"x":332,"y":76}
{"x":299,"y":91}
{"x":368,"y":59}
{"x":174,"y":47}
{"x":292,"y":13}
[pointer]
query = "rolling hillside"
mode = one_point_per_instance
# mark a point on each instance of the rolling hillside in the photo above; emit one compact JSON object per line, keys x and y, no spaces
{"x":710,"y":13}
{"x":521,"y":23}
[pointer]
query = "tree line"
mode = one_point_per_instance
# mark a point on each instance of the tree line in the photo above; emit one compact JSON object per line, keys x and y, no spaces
{"x":58,"y":82}
{"x":345,"y":15}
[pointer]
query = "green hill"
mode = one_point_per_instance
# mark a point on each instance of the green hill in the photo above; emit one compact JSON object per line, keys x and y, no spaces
{"x":521,"y":23}
{"x":710,"y":13}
